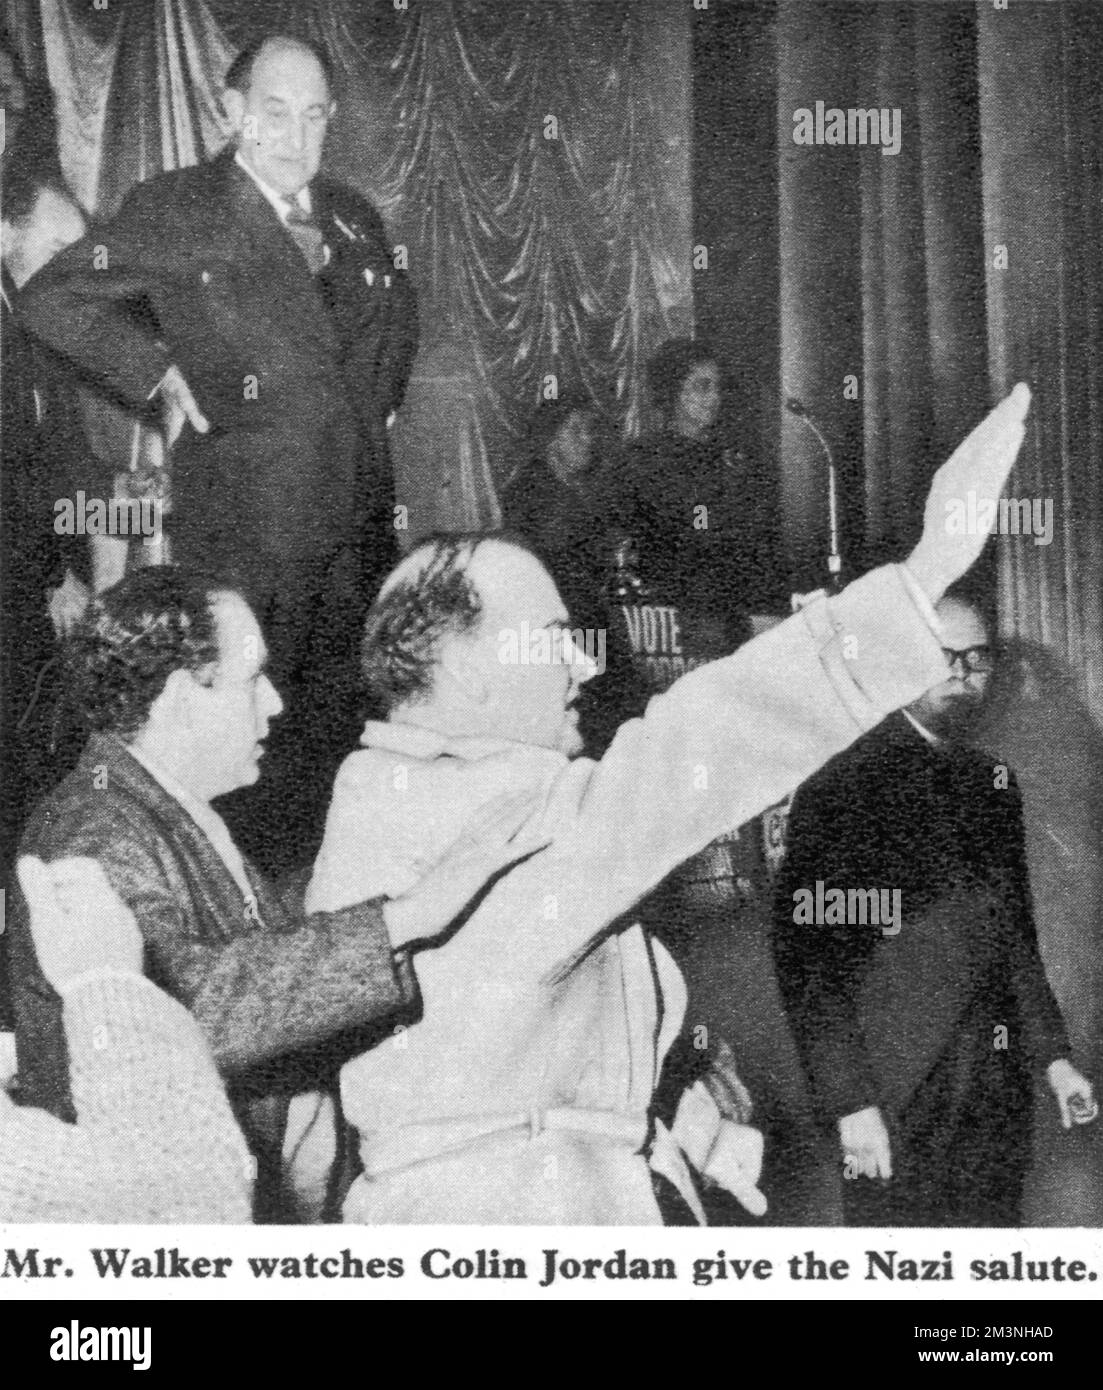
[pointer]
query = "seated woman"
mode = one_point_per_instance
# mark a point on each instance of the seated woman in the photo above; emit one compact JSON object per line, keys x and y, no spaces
{"x":155,"y":1140}
{"x":547,"y":500}
{"x":550,"y":501}
{"x":696,"y":509}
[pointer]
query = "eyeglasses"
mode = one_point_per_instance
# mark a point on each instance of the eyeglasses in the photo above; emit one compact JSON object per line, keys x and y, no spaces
{"x":974,"y":660}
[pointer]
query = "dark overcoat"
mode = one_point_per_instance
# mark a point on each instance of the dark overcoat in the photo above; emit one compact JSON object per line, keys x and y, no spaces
{"x":943,"y":1023}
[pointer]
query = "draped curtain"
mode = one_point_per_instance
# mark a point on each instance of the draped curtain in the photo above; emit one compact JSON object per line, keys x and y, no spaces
{"x":1042,"y":124}
{"x":939,"y":276}
{"x":532,"y":158}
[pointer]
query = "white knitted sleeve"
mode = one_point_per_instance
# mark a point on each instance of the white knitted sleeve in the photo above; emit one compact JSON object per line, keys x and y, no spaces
{"x":155,"y":1140}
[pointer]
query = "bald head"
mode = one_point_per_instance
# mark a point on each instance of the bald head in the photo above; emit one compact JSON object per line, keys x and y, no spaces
{"x":962,"y":623}
{"x":466,"y":637}
{"x":442,"y":589}
{"x":239,"y":75}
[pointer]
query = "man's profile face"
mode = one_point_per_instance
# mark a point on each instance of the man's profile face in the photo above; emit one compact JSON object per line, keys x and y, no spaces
{"x":533,"y":700}
{"x":950,"y":708}
{"x":281,"y":121}
{"x":233,"y":706}
{"x":55,"y":222}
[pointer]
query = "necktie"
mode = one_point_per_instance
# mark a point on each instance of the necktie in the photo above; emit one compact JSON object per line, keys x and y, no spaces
{"x":308,"y":235}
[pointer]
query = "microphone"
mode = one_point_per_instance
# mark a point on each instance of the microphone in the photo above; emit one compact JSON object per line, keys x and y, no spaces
{"x":796,"y":407}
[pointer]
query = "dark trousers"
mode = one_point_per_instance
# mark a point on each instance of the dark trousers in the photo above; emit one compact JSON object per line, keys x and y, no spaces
{"x":312,"y":622}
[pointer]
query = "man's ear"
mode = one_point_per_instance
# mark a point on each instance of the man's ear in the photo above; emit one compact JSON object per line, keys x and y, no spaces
{"x":233,"y":108}
{"x":174,"y":704}
{"x":460,"y":668}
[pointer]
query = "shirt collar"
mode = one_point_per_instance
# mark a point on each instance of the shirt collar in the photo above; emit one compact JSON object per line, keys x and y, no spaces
{"x":200,"y":812}
{"x":922,"y":729}
{"x":7,"y":288}
{"x":277,"y":200}
{"x":205,"y":817}
{"x":415,"y":741}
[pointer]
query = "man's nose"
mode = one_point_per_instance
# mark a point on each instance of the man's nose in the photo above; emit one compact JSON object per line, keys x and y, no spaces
{"x":298,"y":134}
{"x":581,"y":664}
{"x":273,"y":703}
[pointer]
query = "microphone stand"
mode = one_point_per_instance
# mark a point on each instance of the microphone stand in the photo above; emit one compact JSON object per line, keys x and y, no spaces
{"x":796,"y":407}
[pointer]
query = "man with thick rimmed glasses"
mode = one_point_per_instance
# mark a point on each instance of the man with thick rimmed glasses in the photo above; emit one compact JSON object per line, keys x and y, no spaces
{"x":921,"y":1046}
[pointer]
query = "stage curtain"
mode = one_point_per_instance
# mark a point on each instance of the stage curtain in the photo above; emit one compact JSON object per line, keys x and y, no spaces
{"x":531,"y":155}
{"x":1042,"y":124}
{"x":891,"y":274}
{"x":882,"y":315}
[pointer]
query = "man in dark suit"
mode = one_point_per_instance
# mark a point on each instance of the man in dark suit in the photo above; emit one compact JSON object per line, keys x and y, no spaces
{"x":171,"y":674}
{"x":922,"y":1018}
{"x":41,"y":573}
{"x":261,"y":306}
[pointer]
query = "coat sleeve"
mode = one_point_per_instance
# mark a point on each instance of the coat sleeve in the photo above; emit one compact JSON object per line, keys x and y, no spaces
{"x":820,"y":968}
{"x":92,"y":302}
{"x":725,"y":742}
{"x":43,"y":1161}
{"x":155,"y":1139}
{"x":264,"y":992}
{"x":1043,"y":1028}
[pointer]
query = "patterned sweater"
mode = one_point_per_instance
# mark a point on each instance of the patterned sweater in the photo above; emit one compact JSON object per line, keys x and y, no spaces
{"x":155,"y":1140}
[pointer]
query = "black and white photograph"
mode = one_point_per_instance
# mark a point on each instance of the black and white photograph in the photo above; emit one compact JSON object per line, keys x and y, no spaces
{"x":551,"y":688}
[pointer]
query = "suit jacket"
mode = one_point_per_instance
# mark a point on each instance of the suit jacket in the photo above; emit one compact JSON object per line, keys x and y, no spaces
{"x":874,"y":1014}
{"x":261,"y":982}
{"x":41,"y":437}
{"x":296,"y":374}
